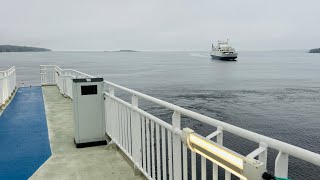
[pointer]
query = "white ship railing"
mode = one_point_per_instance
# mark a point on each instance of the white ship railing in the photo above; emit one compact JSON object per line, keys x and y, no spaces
{"x":155,"y":146}
{"x":7,"y":84}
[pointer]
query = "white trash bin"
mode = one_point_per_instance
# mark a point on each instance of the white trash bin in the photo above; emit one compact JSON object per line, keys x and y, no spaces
{"x":88,"y":112}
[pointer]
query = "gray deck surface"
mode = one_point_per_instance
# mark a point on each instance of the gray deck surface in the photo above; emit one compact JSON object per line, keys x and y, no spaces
{"x":68,"y":162}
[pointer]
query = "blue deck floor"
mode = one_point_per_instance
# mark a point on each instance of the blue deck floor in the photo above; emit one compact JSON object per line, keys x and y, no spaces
{"x":24,"y":143}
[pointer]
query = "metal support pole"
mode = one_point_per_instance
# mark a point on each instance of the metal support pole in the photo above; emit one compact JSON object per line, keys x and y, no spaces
{"x":264,"y":155}
{"x":176,"y":119}
{"x":136,"y":135}
{"x":111,"y":91}
{"x":281,"y":165}
{"x":219,"y":141}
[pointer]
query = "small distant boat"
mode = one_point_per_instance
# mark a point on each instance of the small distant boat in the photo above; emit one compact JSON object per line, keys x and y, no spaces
{"x":223,"y":51}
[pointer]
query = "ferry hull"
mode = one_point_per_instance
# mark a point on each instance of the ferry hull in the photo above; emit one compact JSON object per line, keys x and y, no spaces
{"x":228,"y":58}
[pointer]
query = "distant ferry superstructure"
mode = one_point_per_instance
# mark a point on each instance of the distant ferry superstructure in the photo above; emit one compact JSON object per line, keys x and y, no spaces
{"x":223,"y":51}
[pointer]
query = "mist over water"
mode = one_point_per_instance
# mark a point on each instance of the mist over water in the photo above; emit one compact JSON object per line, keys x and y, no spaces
{"x":272,"y":93}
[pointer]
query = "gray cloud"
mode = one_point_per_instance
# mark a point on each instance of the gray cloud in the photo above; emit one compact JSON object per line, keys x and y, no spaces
{"x":160,"y":25}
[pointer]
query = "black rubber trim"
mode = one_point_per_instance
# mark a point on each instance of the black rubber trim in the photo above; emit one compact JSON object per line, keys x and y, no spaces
{"x":90,"y":144}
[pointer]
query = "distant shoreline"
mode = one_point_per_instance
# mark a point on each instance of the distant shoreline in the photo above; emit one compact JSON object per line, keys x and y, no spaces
{"x":123,"y":50}
{"x":11,"y":48}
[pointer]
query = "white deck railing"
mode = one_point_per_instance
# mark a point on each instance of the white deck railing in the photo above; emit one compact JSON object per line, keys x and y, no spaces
{"x":7,"y":84}
{"x":155,"y":147}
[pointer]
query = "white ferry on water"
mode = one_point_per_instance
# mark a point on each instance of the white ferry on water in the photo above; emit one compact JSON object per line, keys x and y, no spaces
{"x":223,"y":51}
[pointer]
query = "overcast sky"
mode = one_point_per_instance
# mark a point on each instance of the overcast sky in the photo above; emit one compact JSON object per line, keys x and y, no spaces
{"x":161,"y":24}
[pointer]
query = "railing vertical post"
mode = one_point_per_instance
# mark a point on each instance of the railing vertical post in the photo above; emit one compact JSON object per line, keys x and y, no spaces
{"x":215,"y":166}
{"x":264,"y":155}
{"x":281,"y":165}
{"x":136,"y":136}
{"x":5,"y":87}
{"x":203,"y":168}
{"x":44,"y":71}
{"x":64,"y":85}
{"x":110,"y":111}
{"x":227,"y":174}
{"x":15,"y":77}
{"x":53,"y":77}
{"x":41,"y":75}
{"x":176,"y":118}
{"x":2,"y":88}
{"x":111,"y":91}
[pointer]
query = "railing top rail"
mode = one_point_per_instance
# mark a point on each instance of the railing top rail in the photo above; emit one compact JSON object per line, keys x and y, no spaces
{"x":7,"y":73}
{"x":12,"y":68}
{"x":295,"y":151}
{"x":72,"y":70}
{"x":58,"y":68}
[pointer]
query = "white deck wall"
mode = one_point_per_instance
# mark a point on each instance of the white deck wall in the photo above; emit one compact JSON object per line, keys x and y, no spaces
{"x":7,"y":84}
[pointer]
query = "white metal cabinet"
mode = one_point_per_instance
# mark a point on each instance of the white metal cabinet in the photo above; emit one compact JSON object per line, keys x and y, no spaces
{"x":88,"y":112}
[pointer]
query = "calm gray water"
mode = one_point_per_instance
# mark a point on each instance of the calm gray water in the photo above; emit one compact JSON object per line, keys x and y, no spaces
{"x":273,"y":93}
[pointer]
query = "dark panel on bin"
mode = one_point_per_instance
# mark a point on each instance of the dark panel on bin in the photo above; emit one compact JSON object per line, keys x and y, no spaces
{"x":88,"y":90}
